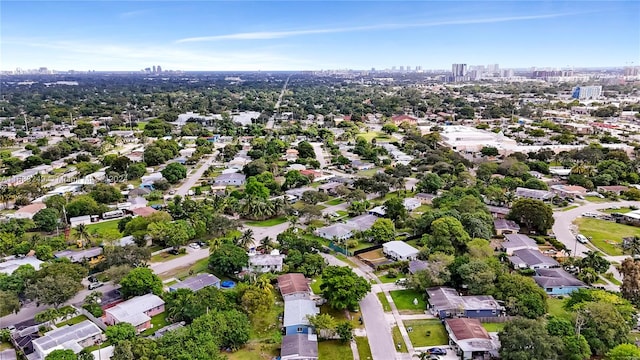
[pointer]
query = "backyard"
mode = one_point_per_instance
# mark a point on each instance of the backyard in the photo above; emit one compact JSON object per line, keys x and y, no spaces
{"x":404,"y":300}
{"x":426,"y":332}
{"x":493,"y":327}
{"x":556,"y":307}
{"x":606,"y":235}
{"x":334,"y":349}
{"x":333,"y":202}
{"x":105,"y":229}
{"x":157,"y":322}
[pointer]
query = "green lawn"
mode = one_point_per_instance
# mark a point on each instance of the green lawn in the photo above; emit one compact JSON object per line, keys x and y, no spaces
{"x":423,"y":208}
{"x":404,"y":301}
{"x":568,"y":208}
{"x":427,"y":332}
{"x":609,"y":276}
{"x":7,"y":345}
{"x":333,"y":202}
{"x":267,"y":223}
{"x":383,"y":300}
{"x":382,"y":275}
{"x":397,"y":339}
{"x":342,"y":213}
{"x":341,"y":315}
{"x":158,"y":322}
{"x":493,"y":327}
{"x":141,"y":125}
{"x":107,"y":229}
{"x":596,"y":199}
{"x":72,"y":321}
{"x":606,"y":235}
{"x":164,"y":257}
{"x":368,"y":173}
{"x":556,"y":309}
{"x":315,"y":285}
{"x":622,"y":210}
{"x":363,"y":348}
{"x":333,"y":350}
{"x":255,"y":351}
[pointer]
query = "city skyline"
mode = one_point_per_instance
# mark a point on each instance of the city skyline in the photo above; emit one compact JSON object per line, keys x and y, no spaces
{"x":244,"y":36}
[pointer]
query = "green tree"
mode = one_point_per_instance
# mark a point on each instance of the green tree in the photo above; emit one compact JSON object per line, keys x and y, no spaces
{"x":382,"y":231}
{"x":305,"y":150}
{"x":105,"y":194}
{"x":522,"y":296}
{"x":344,"y":329}
{"x":630,"y":289}
{"x":228,"y":259}
{"x":395,"y":209}
{"x":448,"y":236}
{"x":54,"y":289}
{"x":47,"y":219}
{"x":533,"y":214}
{"x":430,"y":183}
{"x":174,"y":234}
{"x":389,"y":128}
{"x":478,"y":276}
{"x":524,"y":339}
{"x":120,"y":332}
{"x":140,"y":281}
{"x":342,"y":288}
{"x":231,"y":327}
{"x":9,"y":303}
{"x":624,"y":352}
{"x":61,"y":355}
{"x":254,"y":188}
{"x":324,"y":324}
{"x":256,"y":301}
{"x":602,"y":325}
{"x":294,"y":179}
{"x":489,"y":151}
{"x":174,"y":172}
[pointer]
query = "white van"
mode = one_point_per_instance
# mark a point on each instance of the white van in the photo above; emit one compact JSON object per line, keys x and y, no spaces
{"x":582,"y":239}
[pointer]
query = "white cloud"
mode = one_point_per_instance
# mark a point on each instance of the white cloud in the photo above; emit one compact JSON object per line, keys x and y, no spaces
{"x":132,"y":14}
{"x":265,"y":35}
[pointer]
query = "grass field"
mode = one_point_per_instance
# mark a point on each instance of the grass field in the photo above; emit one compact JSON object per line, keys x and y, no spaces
{"x":341,"y":315}
{"x":108,"y":229}
{"x":382,"y":275}
{"x":609,"y":276}
{"x":556,"y":309}
{"x":334,"y":349}
{"x":378,"y":135}
{"x":164,"y":257}
{"x":404,"y":301}
{"x":606,"y":235}
{"x":158,"y":322}
{"x":267,"y":223}
{"x":333,"y":202}
{"x":397,"y":339}
{"x":426,"y":332}
{"x":623,"y":210}
{"x":364,"y":350}
{"x":493,"y":327}
{"x":72,"y":321}
{"x":596,"y":199}
{"x":342,"y":213}
{"x":315,"y":285}
{"x":383,"y":300}
{"x":568,"y":208}
{"x":255,"y":351}
{"x":423,"y":208}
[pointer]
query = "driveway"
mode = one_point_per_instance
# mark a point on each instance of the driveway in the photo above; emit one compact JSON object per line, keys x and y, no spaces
{"x":193,"y":178}
{"x":317,"y":147}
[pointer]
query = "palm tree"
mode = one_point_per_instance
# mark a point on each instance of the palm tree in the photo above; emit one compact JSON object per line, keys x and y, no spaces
{"x":293,"y":220}
{"x":6,"y":194}
{"x":214,"y":244}
{"x":266,"y":244}
{"x":264,"y":283}
{"x":246,"y":240}
{"x":181,"y":301}
{"x":82,"y":234}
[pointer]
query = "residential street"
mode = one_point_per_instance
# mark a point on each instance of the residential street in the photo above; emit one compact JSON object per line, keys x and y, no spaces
{"x":317,"y":147}
{"x":193,"y":178}
{"x":375,"y":323}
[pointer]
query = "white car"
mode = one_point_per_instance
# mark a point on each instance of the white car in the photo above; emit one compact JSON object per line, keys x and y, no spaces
{"x":582,"y":239}
{"x":194,"y":246}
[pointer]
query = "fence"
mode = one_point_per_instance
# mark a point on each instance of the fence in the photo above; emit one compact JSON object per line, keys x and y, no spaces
{"x":497,"y":319}
{"x":370,"y":248}
{"x":339,"y":249}
{"x":93,"y":319}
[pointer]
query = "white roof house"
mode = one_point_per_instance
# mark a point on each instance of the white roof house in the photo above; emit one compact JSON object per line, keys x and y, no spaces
{"x":265,"y":262}
{"x":343,"y":231}
{"x":296,"y":312}
{"x":400,"y":250}
{"x":133,"y":310}
{"x":8,"y":267}
{"x":411,"y":203}
{"x":74,"y":337}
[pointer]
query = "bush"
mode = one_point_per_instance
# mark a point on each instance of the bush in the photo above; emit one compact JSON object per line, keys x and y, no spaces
{"x":94,"y":309}
{"x":557,"y":244}
{"x":392,"y":273}
{"x":540,"y":240}
{"x":526,"y":272}
{"x":352,"y":243}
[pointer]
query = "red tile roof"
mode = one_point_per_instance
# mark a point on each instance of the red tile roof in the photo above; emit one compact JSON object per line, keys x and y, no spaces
{"x":293,"y":283}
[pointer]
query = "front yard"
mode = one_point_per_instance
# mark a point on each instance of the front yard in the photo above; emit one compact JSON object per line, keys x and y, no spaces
{"x":334,"y":349}
{"x":404,"y":300}
{"x":426,"y":332}
{"x":606,"y":235}
{"x":267,"y":223}
{"x":105,"y":229}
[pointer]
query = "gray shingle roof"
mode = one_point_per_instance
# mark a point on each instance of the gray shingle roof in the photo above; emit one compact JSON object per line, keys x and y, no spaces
{"x":302,"y":345}
{"x":534,"y":257}
{"x":197,"y":282}
{"x":518,"y":240}
{"x":557,"y":277}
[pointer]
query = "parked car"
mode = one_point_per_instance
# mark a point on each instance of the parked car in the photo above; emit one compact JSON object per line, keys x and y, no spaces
{"x":174,"y":251}
{"x":95,"y":285}
{"x":201,"y":244}
{"x":437,"y":351}
{"x":194,"y":246}
{"x":582,"y":239}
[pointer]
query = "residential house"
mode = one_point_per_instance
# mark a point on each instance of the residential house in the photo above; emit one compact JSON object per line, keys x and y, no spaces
{"x":195,"y":283}
{"x":557,"y":281}
{"x":616,"y":189}
{"x":531,"y":259}
{"x":542,"y":195}
{"x":411,"y":203}
{"x":498,"y":212}
{"x":297,"y":192}
{"x":400,"y":251}
{"x":447,"y":303}
{"x":361,"y":165}
{"x":515,"y":242}
{"x":470,"y":340}
{"x":291,"y":155}
{"x":344,"y":231}
{"x":398,"y":120}
{"x":136,"y":311}
{"x":568,"y":191}
{"x":8,"y":354}
{"x":417,"y":265}
{"x":27,"y":212}
{"x":631,"y":218}
{"x":143,"y":211}
{"x":299,"y":347}
{"x":294,"y":285}
{"x":74,"y":337}
{"x":11,"y":265}
{"x":330,"y":187}
{"x":126,"y":240}
{"x":379,"y":211}
{"x":90,"y":255}
{"x":138,"y":192}
{"x":311,"y":174}
{"x":296,"y":312}
{"x":503,"y":227}
{"x":425,"y":198}
{"x":263,"y":263}
{"x":232,"y":179}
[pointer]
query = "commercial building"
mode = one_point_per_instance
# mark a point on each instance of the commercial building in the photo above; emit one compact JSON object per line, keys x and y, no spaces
{"x":586,"y":92}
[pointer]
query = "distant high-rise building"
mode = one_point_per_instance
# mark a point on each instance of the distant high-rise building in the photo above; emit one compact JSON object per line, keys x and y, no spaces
{"x":393,"y":68}
{"x":154,"y":69}
{"x":631,"y":71}
{"x":493,"y":68}
{"x":408,"y":68}
{"x":586,"y":92}
{"x":401,"y":68}
{"x":159,"y":68}
{"x":459,"y":70}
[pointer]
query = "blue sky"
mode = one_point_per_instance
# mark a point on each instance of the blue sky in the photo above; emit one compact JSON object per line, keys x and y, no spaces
{"x":310,"y":35}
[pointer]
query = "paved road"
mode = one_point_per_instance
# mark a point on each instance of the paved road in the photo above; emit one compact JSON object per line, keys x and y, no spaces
{"x":375,"y":323}
{"x":193,"y":178}
{"x":317,"y":147}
